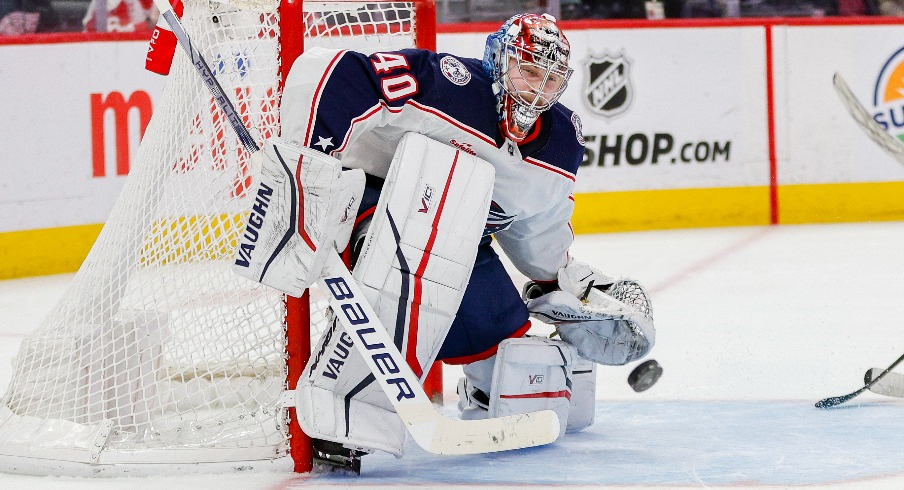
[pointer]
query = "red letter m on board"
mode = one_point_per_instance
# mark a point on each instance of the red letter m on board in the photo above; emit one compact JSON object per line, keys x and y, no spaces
{"x":140,"y":101}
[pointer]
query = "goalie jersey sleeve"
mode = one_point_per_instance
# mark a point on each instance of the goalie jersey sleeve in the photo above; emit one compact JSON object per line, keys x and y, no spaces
{"x":357,"y":107}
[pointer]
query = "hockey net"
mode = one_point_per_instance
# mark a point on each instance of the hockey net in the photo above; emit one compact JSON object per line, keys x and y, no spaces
{"x":157,"y":352}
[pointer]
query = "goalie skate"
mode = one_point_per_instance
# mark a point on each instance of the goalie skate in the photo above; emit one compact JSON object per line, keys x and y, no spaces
{"x":334,"y":457}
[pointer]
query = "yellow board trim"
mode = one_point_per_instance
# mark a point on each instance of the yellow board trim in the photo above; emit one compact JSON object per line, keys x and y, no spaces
{"x":62,"y":250}
{"x":841,"y":203}
{"x":671,"y":208}
{"x":45,"y":251}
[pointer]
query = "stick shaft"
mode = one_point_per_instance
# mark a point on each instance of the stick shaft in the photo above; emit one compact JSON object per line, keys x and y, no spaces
{"x":219,"y":95}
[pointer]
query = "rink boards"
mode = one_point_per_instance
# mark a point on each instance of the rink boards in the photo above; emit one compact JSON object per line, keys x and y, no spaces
{"x":686,"y":123}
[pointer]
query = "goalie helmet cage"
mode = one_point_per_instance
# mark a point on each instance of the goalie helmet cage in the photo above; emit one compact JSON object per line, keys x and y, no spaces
{"x":158,"y":359}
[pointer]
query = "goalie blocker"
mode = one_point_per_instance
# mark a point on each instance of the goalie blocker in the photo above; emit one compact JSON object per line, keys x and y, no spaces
{"x":303,"y":210}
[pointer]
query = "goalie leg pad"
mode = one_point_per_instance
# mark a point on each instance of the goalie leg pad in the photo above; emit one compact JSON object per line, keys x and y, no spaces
{"x":583,"y":395}
{"x":472,"y":389}
{"x":338,"y":399}
{"x":420,"y":250}
{"x":474,"y":403}
{"x":413,"y":268}
{"x":530,"y":374}
{"x":303,"y":207}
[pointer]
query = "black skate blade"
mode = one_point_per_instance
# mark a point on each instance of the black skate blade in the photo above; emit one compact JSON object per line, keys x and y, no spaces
{"x":332,"y":457}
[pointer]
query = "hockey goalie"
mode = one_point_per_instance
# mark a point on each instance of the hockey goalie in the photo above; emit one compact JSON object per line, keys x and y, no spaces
{"x":410,"y":163}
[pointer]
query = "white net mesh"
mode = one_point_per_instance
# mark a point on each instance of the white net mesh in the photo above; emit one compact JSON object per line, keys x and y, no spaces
{"x":157,"y":352}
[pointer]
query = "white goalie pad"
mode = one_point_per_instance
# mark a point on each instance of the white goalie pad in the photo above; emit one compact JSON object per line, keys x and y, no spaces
{"x":583,"y":395}
{"x":611,"y":328}
{"x":413,"y":269}
{"x":527,"y":357}
{"x":303,"y":209}
{"x":419,"y":252}
{"x":338,"y":401}
{"x":531,"y":374}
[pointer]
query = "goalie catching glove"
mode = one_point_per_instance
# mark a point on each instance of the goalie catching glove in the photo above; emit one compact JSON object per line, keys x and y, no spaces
{"x":303,"y":209}
{"x":608,"y":321}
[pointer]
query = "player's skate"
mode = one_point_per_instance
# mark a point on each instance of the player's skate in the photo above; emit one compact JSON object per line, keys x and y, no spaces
{"x":333,"y":456}
{"x":473,"y":403}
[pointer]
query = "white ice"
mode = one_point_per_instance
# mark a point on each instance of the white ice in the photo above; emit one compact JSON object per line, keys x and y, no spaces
{"x":754,"y":325}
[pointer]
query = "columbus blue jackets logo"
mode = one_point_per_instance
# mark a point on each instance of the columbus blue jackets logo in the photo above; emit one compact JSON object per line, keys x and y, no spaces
{"x":497,"y":220}
{"x":608,"y":91}
{"x":455,"y":71}
{"x":578,"y":131}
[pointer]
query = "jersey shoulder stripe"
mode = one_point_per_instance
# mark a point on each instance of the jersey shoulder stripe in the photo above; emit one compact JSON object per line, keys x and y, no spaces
{"x":453,"y":88}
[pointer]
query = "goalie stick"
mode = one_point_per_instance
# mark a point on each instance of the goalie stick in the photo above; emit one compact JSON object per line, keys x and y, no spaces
{"x":892,"y":384}
{"x":838,"y":400}
{"x":887,"y":142}
{"x":429,"y":428}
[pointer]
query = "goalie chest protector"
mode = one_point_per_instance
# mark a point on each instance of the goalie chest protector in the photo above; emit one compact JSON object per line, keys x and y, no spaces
{"x":358,"y":107}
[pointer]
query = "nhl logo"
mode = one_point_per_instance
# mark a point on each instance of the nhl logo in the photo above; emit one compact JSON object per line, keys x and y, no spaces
{"x":608,"y":91}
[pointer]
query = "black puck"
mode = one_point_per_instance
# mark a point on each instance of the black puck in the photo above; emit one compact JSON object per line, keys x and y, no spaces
{"x":645,"y":375}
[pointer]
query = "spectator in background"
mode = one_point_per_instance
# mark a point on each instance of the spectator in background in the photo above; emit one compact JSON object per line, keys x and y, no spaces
{"x":26,"y":17}
{"x":891,"y":7}
{"x":613,"y":9}
{"x":701,"y":8}
{"x":123,"y":16}
{"x":856,"y":7}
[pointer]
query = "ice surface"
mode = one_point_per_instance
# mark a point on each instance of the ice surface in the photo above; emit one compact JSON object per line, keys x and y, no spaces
{"x":754,"y":325}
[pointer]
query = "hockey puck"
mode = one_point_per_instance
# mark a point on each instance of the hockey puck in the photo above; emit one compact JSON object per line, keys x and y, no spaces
{"x":645,"y":375}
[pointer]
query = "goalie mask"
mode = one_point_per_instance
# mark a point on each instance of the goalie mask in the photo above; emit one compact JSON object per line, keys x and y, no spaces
{"x":527,"y":59}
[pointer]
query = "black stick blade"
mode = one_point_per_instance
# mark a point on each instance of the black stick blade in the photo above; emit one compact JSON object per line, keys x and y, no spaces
{"x":831,"y":401}
{"x":837,"y":400}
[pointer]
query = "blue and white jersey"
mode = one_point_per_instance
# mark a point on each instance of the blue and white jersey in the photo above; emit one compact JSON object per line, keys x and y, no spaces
{"x":357,"y":108}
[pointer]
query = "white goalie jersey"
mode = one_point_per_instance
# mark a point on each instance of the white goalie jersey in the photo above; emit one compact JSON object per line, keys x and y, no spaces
{"x":449,"y":99}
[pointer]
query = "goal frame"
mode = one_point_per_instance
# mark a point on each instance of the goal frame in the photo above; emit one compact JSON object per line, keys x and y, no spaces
{"x":294,"y":449}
